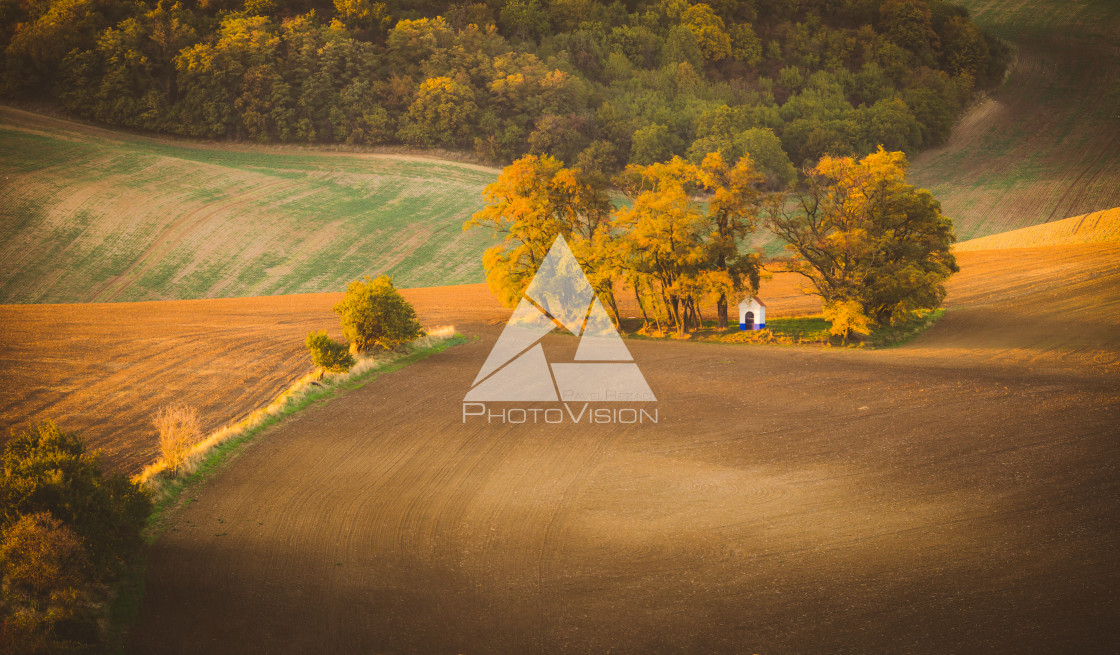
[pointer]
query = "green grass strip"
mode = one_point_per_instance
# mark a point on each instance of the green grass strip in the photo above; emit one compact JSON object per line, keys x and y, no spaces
{"x":126,"y":604}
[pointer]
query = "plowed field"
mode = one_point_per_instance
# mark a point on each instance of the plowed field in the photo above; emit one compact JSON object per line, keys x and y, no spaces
{"x":956,"y":494}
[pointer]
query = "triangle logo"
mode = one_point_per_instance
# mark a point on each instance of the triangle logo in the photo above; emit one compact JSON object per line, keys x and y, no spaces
{"x":559,"y":296}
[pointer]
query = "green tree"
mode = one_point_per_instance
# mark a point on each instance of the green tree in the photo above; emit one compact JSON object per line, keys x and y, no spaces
{"x":363,"y":14}
{"x":654,"y":143}
{"x":745,"y":44}
{"x":328,"y":354}
{"x":48,"y":470}
{"x":862,"y":234}
{"x":442,"y":114}
{"x":375,"y":315}
{"x":525,"y":19}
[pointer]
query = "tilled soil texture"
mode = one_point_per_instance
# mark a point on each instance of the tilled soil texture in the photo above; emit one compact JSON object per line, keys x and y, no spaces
{"x":104,"y":369}
{"x":950,"y":495}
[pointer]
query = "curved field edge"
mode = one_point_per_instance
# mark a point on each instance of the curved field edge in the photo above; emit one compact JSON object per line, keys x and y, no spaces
{"x":1045,"y":145}
{"x":129,"y":598}
{"x":1096,"y":227}
{"x":214,"y":451}
{"x":88,"y":215}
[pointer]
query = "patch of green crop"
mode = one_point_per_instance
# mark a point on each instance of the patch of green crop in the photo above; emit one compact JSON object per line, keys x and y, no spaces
{"x":233,"y":223}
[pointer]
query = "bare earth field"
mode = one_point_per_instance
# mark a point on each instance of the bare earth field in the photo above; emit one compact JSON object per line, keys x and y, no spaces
{"x":104,"y":369}
{"x":957,"y":494}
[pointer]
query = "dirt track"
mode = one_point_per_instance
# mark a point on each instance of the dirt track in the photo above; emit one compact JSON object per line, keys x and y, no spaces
{"x":947,"y":496}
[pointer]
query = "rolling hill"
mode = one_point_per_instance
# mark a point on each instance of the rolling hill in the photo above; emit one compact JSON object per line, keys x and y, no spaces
{"x":1045,"y":145}
{"x":104,"y":368}
{"x":91,"y":215}
{"x":1096,"y":227}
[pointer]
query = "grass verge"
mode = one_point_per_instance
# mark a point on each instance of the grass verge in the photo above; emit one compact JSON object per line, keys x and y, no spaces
{"x":222,"y":446}
{"x":213,"y":451}
{"x":800,"y":331}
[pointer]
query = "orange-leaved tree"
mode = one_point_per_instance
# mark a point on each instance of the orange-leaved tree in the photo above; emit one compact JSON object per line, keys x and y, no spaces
{"x":663,"y":237}
{"x":534,"y":199}
{"x":733,"y":212}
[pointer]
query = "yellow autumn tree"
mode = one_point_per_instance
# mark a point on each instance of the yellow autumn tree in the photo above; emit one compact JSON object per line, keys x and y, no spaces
{"x":733,"y":214}
{"x":710,"y":31}
{"x":867,"y":240}
{"x":534,"y":199}
{"x":664,"y":249}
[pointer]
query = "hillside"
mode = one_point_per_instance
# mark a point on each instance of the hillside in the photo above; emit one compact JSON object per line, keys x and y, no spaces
{"x":1097,"y":227}
{"x":1045,"y":145}
{"x":92,"y":215}
{"x":104,"y":369}
{"x":954,"y":495}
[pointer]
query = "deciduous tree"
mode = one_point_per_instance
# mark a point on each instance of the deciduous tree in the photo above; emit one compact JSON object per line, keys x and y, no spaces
{"x":534,"y":199}
{"x":862,"y":234}
{"x":375,"y":315}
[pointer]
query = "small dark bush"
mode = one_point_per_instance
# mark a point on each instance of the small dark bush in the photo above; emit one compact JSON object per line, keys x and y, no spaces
{"x":329,"y":354}
{"x":48,"y":470}
{"x":65,"y":530}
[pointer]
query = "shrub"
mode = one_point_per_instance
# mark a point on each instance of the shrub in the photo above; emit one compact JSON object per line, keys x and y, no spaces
{"x":48,"y":470}
{"x":374,"y":314}
{"x":48,"y":602}
{"x":178,"y":432}
{"x":847,"y":319}
{"x":328,"y":354}
{"x":66,"y":529}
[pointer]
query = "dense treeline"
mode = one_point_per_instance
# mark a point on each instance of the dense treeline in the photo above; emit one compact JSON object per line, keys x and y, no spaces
{"x":875,"y":248}
{"x":593,"y":84}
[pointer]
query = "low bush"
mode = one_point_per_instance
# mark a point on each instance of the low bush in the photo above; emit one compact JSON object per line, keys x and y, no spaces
{"x":66,"y":531}
{"x":179,"y":431}
{"x":49,"y":600}
{"x":375,"y":315}
{"x":328,"y":354}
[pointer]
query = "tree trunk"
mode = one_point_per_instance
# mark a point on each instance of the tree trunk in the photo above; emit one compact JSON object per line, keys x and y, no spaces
{"x":721,"y":311}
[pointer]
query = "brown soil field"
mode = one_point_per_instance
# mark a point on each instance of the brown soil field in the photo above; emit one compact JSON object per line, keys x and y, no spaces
{"x":1096,"y":227}
{"x":957,"y":494}
{"x":104,"y":369}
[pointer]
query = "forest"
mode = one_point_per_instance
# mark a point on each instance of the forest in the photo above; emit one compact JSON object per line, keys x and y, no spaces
{"x":595,"y":85}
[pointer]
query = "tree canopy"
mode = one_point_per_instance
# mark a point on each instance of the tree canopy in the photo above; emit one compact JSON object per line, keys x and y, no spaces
{"x":602,"y":84}
{"x":868,"y":241}
{"x":374,"y":315}
{"x":875,"y":248}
